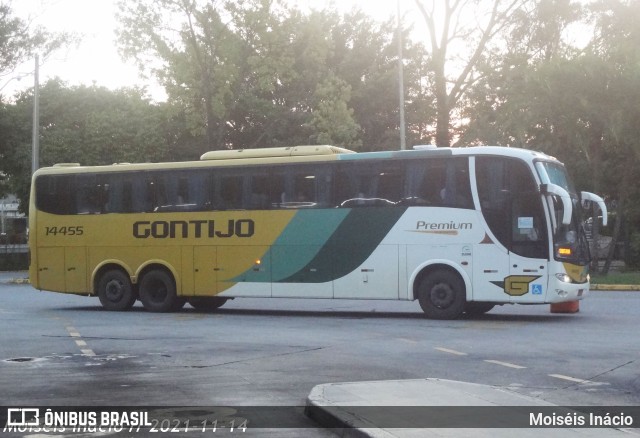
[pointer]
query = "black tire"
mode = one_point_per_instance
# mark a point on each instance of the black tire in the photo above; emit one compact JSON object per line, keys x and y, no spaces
{"x":477,"y":308}
{"x":157,"y":291}
{"x":441,"y":295}
{"x":207,"y":304}
{"x":116,"y":291}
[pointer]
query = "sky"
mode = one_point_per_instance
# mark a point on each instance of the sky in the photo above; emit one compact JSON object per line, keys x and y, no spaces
{"x":96,"y":60}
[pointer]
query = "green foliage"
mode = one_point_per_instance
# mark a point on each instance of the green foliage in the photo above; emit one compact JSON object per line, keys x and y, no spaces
{"x":333,"y":119}
{"x":88,"y":125}
{"x":19,"y":42}
{"x":252,"y":73}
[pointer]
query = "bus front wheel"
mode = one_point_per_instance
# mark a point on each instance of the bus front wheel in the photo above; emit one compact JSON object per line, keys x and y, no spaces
{"x":441,"y":295}
{"x":116,"y":291}
{"x":157,"y":292}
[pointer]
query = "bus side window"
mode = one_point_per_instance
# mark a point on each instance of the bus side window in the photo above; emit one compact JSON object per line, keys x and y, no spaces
{"x":389,"y":183}
{"x":426,"y":183}
{"x":301,"y":187}
{"x":54,"y":194}
{"x":135,"y":196}
{"x":375,"y":185}
{"x":230,"y":192}
{"x":258,"y":192}
{"x":183,"y":191}
{"x":458,"y":190}
{"x":91,"y":194}
{"x":347,"y":187}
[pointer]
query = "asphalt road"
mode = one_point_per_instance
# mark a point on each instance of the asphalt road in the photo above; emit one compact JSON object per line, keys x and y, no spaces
{"x":60,"y":349}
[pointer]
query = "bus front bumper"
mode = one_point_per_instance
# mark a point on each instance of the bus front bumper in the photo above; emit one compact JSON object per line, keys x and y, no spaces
{"x":561,"y":291}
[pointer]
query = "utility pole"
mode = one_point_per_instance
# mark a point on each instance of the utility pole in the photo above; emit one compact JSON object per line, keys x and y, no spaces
{"x":403,"y":141}
{"x":35,"y":150}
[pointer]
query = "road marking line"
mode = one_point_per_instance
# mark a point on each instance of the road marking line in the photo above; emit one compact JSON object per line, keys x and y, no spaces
{"x":569,"y":378}
{"x":79,"y":341}
{"x":447,"y":350}
{"x":505,"y":364}
{"x":73,"y":332}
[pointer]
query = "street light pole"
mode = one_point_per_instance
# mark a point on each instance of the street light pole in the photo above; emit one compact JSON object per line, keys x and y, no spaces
{"x":35,"y":150}
{"x":403,"y":141}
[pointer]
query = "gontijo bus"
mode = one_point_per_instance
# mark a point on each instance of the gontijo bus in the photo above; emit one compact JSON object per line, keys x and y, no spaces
{"x":459,"y":230}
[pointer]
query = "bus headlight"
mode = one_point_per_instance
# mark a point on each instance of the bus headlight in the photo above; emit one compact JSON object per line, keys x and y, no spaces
{"x":564,"y":278}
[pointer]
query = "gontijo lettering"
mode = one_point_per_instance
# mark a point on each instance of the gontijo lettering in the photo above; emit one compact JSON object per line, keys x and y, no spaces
{"x":193,"y":228}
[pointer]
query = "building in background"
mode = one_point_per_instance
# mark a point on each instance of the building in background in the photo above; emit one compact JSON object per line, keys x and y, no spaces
{"x":13,"y":224}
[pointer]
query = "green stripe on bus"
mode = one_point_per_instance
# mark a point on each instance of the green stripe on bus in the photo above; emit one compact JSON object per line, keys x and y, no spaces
{"x":349,"y":246}
{"x":302,"y":239}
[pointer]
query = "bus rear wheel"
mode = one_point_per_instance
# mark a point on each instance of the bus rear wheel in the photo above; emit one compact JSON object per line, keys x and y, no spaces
{"x":207,"y":304}
{"x":116,"y":291}
{"x":157,"y":292}
{"x":441,"y":295}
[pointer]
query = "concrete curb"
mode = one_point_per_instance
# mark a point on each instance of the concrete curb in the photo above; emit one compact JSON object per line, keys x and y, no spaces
{"x":359,"y":409}
{"x":616,"y":287}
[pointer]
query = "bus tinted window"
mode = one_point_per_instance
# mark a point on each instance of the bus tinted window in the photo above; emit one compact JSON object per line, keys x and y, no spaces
{"x":91,"y":195}
{"x":258,"y":190}
{"x":53,"y":194}
{"x":229,"y":192}
{"x":179,"y":191}
{"x":433,"y":182}
{"x":370,"y":185}
{"x":439,"y":182}
{"x":300,"y":187}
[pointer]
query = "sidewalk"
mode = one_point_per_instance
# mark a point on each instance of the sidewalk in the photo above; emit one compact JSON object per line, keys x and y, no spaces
{"x":14,"y":277}
{"x":615,"y":287}
{"x":393,"y":408}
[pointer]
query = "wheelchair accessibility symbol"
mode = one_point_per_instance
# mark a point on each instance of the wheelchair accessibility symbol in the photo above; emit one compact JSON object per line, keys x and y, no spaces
{"x":536,"y":289}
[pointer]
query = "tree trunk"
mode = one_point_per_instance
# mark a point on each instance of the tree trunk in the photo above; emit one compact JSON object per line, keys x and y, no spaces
{"x":442,"y":105}
{"x":614,"y":240}
{"x":442,"y":126}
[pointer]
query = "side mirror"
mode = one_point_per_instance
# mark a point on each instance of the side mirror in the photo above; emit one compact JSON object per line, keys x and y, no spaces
{"x":567,"y":206}
{"x":591,"y":197}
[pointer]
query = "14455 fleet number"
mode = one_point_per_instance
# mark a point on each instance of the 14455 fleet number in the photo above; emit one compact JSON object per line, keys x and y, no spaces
{"x":64,"y":231}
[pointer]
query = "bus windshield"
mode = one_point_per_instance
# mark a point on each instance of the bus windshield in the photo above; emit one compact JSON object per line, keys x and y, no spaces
{"x":570,"y":242}
{"x":558,"y":176}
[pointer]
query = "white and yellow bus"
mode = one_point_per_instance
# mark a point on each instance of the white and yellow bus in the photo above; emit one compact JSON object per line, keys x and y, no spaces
{"x":460,"y":230}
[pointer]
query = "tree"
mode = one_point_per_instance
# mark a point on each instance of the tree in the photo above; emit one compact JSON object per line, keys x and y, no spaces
{"x":332,"y":119}
{"x":578,"y":105}
{"x":460,"y":24}
{"x":249,"y":74}
{"x":88,"y":125}
{"x":186,"y":44}
{"x":19,"y":41}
